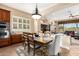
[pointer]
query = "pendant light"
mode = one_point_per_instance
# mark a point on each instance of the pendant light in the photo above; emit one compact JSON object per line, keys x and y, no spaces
{"x":36,"y":15}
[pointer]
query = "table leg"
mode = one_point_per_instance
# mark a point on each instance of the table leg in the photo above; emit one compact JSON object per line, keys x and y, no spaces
{"x":34,"y":50}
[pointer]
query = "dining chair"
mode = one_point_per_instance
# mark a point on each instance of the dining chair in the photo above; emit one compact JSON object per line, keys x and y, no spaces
{"x":66,"y":42}
{"x":25,"y":41}
{"x":54,"y":46}
{"x":65,"y":46}
{"x":32,"y":44}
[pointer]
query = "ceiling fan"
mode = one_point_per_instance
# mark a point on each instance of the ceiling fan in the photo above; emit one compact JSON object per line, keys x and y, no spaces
{"x":73,"y":16}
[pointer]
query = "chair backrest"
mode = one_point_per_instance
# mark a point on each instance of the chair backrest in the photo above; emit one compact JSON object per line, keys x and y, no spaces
{"x":28,"y":38}
{"x":25,"y":36}
{"x":65,"y":45}
{"x":57,"y":44}
{"x":31,"y":38}
{"x":66,"y":42}
{"x":54,"y":47}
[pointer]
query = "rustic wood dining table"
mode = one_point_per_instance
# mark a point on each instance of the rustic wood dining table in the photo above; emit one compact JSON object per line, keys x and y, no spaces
{"x":43,"y":42}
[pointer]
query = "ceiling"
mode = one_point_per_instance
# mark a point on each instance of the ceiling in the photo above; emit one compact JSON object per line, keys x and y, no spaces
{"x":29,"y":7}
{"x":46,"y":9}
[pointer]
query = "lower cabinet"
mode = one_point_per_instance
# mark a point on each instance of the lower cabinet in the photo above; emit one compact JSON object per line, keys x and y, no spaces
{"x":16,"y":38}
{"x":4,"y":42}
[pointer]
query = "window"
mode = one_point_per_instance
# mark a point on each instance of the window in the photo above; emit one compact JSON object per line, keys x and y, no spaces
{"x":20,"y":24}
{"x":24,"y":20}
{"x":27,"y":21}
{"x":24,"y":26}
{"x":14,"y":19}
{"x":27,"y":26}
{"x":72,"y":25}
{"x":61,"y":27}
{"x":68,"y":27}
{"x":78,"y":25}
{"x":14,"y":26}
{"x":20,"y":20}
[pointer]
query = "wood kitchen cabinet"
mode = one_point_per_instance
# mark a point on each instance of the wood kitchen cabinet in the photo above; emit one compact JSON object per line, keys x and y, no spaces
{"x":16,"y":38}
{"x":11,"y":40}
{"x":4,"y":15}
{"x":4,"y":42}
{"x":0,"y":15}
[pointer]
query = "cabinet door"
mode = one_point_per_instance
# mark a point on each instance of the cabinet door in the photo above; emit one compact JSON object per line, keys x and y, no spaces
{"x":4,"y":42}
{"x":6,"y":16}
{"x":16,"y":38}
{"x":0,"y":15}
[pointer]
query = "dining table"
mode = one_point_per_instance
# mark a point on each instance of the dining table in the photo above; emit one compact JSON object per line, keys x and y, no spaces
{"x":43,"y":41}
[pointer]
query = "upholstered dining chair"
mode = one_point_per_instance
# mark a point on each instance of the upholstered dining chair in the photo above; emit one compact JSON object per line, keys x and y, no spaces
{"x":54,"y":46}
{"x":65,"y":46}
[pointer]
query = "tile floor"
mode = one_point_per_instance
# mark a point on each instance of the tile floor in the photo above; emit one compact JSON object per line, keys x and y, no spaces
{"x":11,"y":50}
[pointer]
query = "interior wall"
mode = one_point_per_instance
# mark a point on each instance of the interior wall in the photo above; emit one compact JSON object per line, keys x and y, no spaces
{"x":64,"y":13}
{"x":19,"y":13}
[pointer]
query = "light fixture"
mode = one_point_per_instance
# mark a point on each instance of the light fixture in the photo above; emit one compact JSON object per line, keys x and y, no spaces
{"x":70,"y":14}
{"x":36,"y":15}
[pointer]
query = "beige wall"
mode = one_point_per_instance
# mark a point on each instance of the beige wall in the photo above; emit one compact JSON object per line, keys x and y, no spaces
{"x":15,"y":12}
{"x":34,"y":25}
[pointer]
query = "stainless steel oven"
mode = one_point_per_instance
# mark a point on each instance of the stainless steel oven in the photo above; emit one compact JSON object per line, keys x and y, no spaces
{"x":4,"y":30}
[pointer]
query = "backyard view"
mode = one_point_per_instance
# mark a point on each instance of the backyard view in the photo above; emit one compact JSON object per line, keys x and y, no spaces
{"x":69,"y":27}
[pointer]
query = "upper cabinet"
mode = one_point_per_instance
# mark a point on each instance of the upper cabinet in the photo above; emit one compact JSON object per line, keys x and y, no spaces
{"x":4,"y":15}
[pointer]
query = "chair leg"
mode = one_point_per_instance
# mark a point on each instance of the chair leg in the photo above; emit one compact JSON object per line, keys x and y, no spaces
{"x":34,"y":50}
{"x":28,"y":49}
{"x":58,"y":54}
{"x":24,"y":46}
